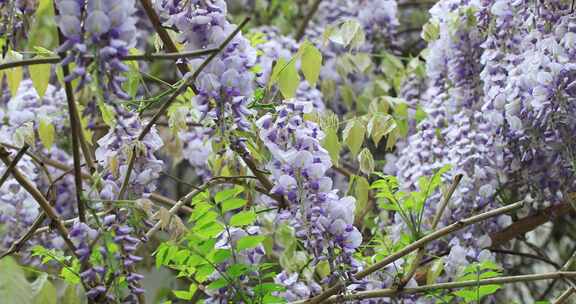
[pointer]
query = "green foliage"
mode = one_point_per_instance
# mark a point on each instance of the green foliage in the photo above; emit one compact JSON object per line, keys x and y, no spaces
{"x":46,"y":133}
{"x":353,"y":135}
{"x":410,"y":205}
{"x":14,"y":288}
{"x":70,"y":265}
{"x":13,"y":75}
{"x":197,"y":254}
{"x":348,"y":33}
{"x":285,"y":73}
{"x":44,"y":291}
{"x":311,"y":62}
{"x":478,"y":271}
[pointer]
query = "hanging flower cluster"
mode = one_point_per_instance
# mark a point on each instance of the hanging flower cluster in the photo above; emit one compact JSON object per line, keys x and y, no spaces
{"x":115,"y":149}
{"x":226,"y":84}
{"x":103,"y":28}
{"x":320,"y":217}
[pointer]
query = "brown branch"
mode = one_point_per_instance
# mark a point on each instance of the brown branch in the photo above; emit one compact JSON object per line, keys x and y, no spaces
{"x":393,"y":292}
{"x":302,"y":29}
{"x":262,"y":178}
{"x":137,"y":57}
{"x":13,"y":164}
{"x":161,"y":199}
{"x":75,"y":125}
{"x":565,"y":296}
{"x":40,"y":199}
{"x":529,"y":223}
{"x":17,"y":245}
{"x":439,"y":212}
{"x":162,"y":33}
{"x":414,"y":246}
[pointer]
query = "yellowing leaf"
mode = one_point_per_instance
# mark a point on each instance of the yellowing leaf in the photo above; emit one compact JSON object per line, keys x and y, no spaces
{"x":366,"y":161}
{"x":46,"y":132}
{"x":13,"y":75}
{"x":353,"y":135}
{"x":349,"y":33}
{"x":40,"y":75}
{"x":286,"y":75}
{"x":25,"y":135}
{"x":380,"y":125}
{"x":332,"y":144}
{"x":361,"y":189}
{"x":311,"y":62}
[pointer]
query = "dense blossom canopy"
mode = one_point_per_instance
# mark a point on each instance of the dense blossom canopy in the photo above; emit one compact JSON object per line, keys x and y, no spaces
{"x":266,"y":151}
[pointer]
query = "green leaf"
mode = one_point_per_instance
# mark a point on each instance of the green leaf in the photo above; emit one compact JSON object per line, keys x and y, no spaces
{"x":218,"y":284}
{"x":379,"y":126}
{"x":435,"y":270}
{"x":366,"y":161}
{"x":13,"y":75}
{"x":270,"y":299}
{"x":311,"y":62}
{"x":107,"y":113}
{"x":430,"y":31}
{"x":73,"y":294}
{"x":221,"y":255}
{"x":44,"y":291}
{"x":183,"y":294}
{"x":353,"y":135}
{"x":40,"y":75}
{"x":70,"y":274}
{"x":133,"y":75}
{"x":233,"y":203}
{"x":46,"y":132}
{"x":348,"y":33}
{"x":249,"y":241}
{"x":243,"y":218}
{"x":333,"y":145}
{"x":228,"y":193}
{"x":237,"y":270}
{"x":361,"y":190}
{"x":288,"y":79}
{"x":14,"y":288}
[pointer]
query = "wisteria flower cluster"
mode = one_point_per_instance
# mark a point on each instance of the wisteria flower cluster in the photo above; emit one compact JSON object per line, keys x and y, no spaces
{"x":325,"y":161}
{"x":102,"y":28}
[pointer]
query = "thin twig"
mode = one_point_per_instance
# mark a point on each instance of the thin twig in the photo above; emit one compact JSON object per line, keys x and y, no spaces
{"x":564,"y":296}
{"x":527,"y":255}
{"x":76,"y":130}
{"x":162,"y":33}
{"x":188,"y":197}
{"x":181,"y":89}
{"x":416,"y":245}
{"x":37,"y":195}
{"x":439,"y":213}
{"x":131,"y":161}
{"x":68,"y":222}
{"x":77,"y":135}
{"x":302,"y":29}
{"x":393,"y":292}
{"x":13,"y":164}
{"x":17,"y":245}
{"x":137,"y":57}
{"x":267,"y":184}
